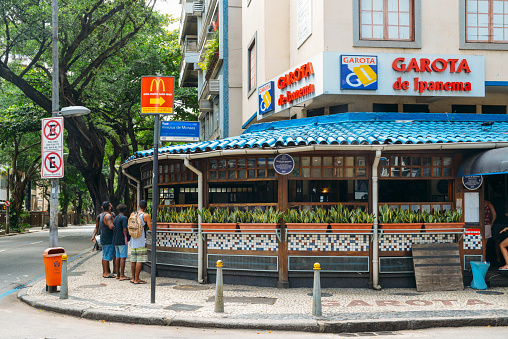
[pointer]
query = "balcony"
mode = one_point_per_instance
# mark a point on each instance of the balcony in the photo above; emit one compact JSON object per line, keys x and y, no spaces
{"x":188,"y":18}
{"x":188,"y":64}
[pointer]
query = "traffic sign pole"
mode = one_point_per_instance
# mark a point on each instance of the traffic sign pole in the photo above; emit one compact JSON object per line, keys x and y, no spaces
{"x":155,"y":203}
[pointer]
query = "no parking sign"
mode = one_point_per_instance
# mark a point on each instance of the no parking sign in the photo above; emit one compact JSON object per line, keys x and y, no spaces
{"x":52,"y":147}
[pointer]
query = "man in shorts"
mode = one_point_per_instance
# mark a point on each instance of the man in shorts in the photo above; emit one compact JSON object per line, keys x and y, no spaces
{"x":138,"y":245}
{"x":120,"y":241}
{"x":106,"y":229}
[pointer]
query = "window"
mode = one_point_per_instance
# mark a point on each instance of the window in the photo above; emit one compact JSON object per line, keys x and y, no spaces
{"x":487,"y":21}
{"x":386,"y":19}
{"x":493,"y":109}
{"x":416,"y":167}
{"x":251,"y":64}
{"x":415,"y":108}
{"x":463,"y":108}
{"x":385,"y":107}
{"x":329,"y":167}
{"x":387,"y":23}
{"x":243,"y":168}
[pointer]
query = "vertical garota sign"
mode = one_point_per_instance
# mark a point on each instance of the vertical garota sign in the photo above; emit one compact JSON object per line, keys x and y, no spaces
{"x":157,"y":95}
{"x":52,"y":148}
{"x":265,"y":98}
{"x":358,"y":72}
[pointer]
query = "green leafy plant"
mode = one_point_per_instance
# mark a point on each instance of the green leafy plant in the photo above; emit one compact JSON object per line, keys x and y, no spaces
{"x":291,"y":216}
{"x":206,"y":215}
{"x":212,"y":47}
{"x":339,"y":215}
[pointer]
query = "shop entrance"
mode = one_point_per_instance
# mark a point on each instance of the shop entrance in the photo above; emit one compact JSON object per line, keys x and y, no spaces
{"x":496,"y":191}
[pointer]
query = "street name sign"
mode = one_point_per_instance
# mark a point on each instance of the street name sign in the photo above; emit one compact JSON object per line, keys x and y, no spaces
{"x":52,"y":147}
{"x":182,"y":131}
{"x":157,"y":95}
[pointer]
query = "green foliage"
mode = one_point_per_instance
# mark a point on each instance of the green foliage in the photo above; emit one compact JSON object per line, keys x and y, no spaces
{"x":389,"y":215}
{"x":170,"y":215}
{"x":212,"y":47}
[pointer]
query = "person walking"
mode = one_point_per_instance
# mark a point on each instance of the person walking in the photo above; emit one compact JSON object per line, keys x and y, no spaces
{"x":105,"y":225}
{"x":138,"y":245}
{"x":120,"y":241}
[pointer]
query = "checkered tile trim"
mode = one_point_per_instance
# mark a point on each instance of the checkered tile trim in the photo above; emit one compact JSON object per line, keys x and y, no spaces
{"x":178,"y":240}
{"x":473,"y":242}
{"x":245,"y":242}
{"x":403,"y":242}
{"x":328,"y":242}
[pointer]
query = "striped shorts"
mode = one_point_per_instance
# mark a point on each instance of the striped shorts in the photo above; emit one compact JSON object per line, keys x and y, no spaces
{"x":139,"y":254}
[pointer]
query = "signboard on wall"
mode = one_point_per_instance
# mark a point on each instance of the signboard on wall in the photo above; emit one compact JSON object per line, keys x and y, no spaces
{"x":265,"y":98}
{"x":358,"y":72}
{"x":52,"y":148}
{"x":303,"y":21}
{"x":182,"y":131}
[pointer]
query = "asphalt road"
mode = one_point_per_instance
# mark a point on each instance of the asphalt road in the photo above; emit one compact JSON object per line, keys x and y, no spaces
{"x":21,"y":255}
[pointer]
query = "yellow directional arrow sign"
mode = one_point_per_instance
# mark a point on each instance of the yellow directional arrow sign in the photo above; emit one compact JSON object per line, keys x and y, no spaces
{"x":157,"y":101}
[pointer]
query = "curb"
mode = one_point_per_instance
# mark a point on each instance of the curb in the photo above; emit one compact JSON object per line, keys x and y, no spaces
{"x":316,"y":326}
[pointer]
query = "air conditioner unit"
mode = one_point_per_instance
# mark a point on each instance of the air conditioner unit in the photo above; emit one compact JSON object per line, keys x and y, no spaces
{"x":205,"y":106}
{"x":197,"y":8}
{"x":214,"y":86}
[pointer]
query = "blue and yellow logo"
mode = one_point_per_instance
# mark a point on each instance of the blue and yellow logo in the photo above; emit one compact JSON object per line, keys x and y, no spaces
{"x":265,"y":97}
{"x":358,"y":72}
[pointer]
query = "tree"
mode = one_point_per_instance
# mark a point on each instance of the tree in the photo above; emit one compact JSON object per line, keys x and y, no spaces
{"x":105,"y":46}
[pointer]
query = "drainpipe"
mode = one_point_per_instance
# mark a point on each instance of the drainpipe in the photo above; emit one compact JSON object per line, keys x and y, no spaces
{"x":375,"y":207}
{"x":138,"y":184}
{"x":201,"y":278}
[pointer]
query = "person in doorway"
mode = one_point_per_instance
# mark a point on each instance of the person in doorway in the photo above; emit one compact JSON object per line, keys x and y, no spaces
{"x":120,"y":241}
{"x":138,"y":245}
{"x":105,"y":220}
{"x":503,"y":247}
{"x":490,"y":216}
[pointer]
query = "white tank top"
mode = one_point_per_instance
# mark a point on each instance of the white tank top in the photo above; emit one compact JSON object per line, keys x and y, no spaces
{"x":139,"y":242}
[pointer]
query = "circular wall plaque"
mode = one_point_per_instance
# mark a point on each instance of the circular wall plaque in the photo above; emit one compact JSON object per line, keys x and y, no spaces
{"x":283,"y":164}
{"x":472,"y":182}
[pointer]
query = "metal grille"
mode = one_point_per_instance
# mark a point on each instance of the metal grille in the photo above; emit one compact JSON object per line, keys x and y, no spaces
{"x":396,"y":265}
{"x":469,"y":258}
{"x":175,"y":258}
{"x":329,"y":264}
{"x":244,"y":262}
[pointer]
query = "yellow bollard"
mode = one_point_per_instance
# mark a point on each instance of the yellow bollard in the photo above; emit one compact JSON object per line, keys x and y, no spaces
{"x":64,"y":288}
{"x":316,"y":293}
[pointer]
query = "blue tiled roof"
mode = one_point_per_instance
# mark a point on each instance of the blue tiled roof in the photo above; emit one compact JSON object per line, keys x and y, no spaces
{"x":357,"y":129}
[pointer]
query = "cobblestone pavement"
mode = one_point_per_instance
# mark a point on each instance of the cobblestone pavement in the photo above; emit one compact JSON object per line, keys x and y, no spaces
{"x":191,"y":302}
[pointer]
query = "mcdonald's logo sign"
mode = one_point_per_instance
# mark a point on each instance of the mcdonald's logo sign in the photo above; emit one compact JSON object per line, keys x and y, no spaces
{"x":157,"y":95}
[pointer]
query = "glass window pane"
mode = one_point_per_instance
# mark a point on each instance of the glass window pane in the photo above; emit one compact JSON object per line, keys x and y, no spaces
{"x":483,"y":34}
{"x":395,"y":172}
{"x":447,"y":172}
{"x":172,"y":167}
{"x":295,"y":172}
{"x":483,"y":6}
{"x":472,"y":20}
{"x":177,"y":167}
{"x":261,"y":173}
{"x":498,"y":21}
{"x":241,"y":174}
{"x":361,"y":172}
{"x":404,"y":33}
{"x":241,"y":163}
{"x":350,"y":172}
{"x":377,"y":5}
{"x":166,"y":177}
{"x":232,"y":174}
{"x":472,"y":34}
{"x":483,"y":20}
{"x":498,"y":34}
{"x":251,"y":163}
{"x":360,"y":161}
{"x":232,"y":163}
{"x":405,"y":172}
{"x":222,"y":175}
{"x":404,"y":5}
{"x":366,"y":18}
{"x":436,"y":172}
{"x":339,"y":172}
{"x":377,"y":32}
{"x":350,"y":161}
{"x":327,"y":172}
{"x":377,"y":18}
{"x":416,"y":161}
{"x":366,"y":4}
{"x":405,"y":161}
{"x":366,"y":31}
{"x":426,"y":161}
{"x":384,"y":162}
{"x":384,"y":172}
{"x":222,"y":164}
{"x":271,"y":173}
{"x":498,"y":7}
{"x":393,"y":5}
{"x":394,"y":161}
{"x":297,"y":161}
{"x":316,"y":172}
{"x":447,"y":161}
{"x":262,"y":162}
{"x":426,"y":172}
{"x":305,"y":161}
{"x":306,"y":172}
{"x":415,"y":172}
{"x":251,"y":173}
{"x":393,"y":19}
{"x":270,"y":162}
{"x":404,"y":19}
{"x":165,"y":168}
{"x":436,"y":161}
{"x":327,"y":161}
{"x":471,"y":6}
{"x":316,"y":161}
{"x":339,"y":161}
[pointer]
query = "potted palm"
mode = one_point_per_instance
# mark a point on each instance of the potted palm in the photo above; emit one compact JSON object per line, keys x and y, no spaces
{"x":400,"y":221}
{"x":343,"y":220}
{"x":220,"y":220}
{"x":185,"y":220}
{"x":259,"y":221}
{"x":314,"y":221}
{"x":448,"y":220}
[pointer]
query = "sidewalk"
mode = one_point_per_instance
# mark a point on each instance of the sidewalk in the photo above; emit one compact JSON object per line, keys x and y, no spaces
{"x":186,"y":303}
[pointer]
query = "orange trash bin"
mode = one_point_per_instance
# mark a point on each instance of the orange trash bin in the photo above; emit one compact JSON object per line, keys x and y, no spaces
{"x":53,"y":265}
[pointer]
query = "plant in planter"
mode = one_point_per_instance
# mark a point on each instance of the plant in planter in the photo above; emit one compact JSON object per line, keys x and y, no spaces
{"x":343,"y":220}
{"x":212,"y":47}
{"x":447,"y":220}
{"x":259,"y":221}
{"x":185,"y":220}
{"x":315,"y":221}
{"x":220,"y":220}
{"x":164,"y":217}
{"x":400,"y":221}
